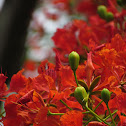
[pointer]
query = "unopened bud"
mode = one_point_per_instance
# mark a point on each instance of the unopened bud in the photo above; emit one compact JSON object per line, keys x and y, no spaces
{"x":81,"y":95}
{"x":109,"y":16}
{"x":105,"y":95}
{"x":74,"y":59}
{"x":102,"y":11}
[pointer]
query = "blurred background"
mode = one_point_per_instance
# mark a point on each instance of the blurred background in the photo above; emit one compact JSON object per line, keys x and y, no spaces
{"x":26,"y":28}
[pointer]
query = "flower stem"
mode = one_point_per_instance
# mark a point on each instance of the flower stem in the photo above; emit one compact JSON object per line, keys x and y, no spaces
{"x":93,"y":113}
{"x":97,"y":105}
{"x":1,"y":114}
{"x":90,"y":112}
{"x":89,"y":121}
{"x":66,"y":104}
{"x":111,"y":115}
{"x":76,"y":78}
{"x":87,"y":112}
{"x":50,"y":113}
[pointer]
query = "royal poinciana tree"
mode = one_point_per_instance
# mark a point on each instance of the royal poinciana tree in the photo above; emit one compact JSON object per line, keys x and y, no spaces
{"x":90,"y":90}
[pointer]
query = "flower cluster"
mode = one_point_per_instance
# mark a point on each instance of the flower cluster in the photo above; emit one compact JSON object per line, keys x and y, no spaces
{"x":87,"y":84}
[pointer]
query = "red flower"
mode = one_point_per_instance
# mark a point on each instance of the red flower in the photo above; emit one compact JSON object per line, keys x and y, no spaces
{"x":80,"y":37}
{"x":87,"y":7}
{"x":95,"y":123}
{"x":12,"y":118}
{"x":43,"y":120}
{"x":120,"y":100}
{"x":3,"y":86}
{"x":62,"y":4}
{"x":72,"y":118}
{"x":18,"y":82}
{"x":29,"y":65}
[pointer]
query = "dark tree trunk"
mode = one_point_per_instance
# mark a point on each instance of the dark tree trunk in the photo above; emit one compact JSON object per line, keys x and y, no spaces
{"x":14,"y":20}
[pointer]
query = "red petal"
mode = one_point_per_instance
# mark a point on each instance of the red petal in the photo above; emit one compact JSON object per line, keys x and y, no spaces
{"x":11,"y":118}
{"x":95,"y":123}
{"x":18,"y":82}
{"x":72,"y":118}
{"x":3,"y":86}
{"x":26,"y":98}
{"x":43,"y":120}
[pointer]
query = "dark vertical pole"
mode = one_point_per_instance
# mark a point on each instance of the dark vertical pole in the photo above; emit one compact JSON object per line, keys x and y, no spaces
{"x":14,"y":20}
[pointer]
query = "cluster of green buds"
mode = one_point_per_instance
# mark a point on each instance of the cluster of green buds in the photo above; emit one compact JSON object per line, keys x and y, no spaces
{"x":80,"y":93}
{"x":102,"y":11}
{"x":83,"y":91}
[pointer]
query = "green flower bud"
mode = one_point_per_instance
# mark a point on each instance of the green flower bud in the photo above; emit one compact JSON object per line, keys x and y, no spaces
{"x":109,"y":16}
{"x":74,"y":59}
{"x":105,"y":95}
{"x":81,"y":95}
{"x":102,"y":11}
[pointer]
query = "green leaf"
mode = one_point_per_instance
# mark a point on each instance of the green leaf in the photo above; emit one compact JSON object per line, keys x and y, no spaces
{"x":96,"y":93}
{"x":83,"y":84}
{"x":72,"y":94}
{"x":94,"y":83}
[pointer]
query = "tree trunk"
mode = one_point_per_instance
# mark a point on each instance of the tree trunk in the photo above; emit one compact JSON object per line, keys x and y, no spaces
{"x":14,"y":20}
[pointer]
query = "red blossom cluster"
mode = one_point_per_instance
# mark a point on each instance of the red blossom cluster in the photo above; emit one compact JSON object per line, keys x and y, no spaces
{"x":92,"y":93}
{"x":84,"y":36}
